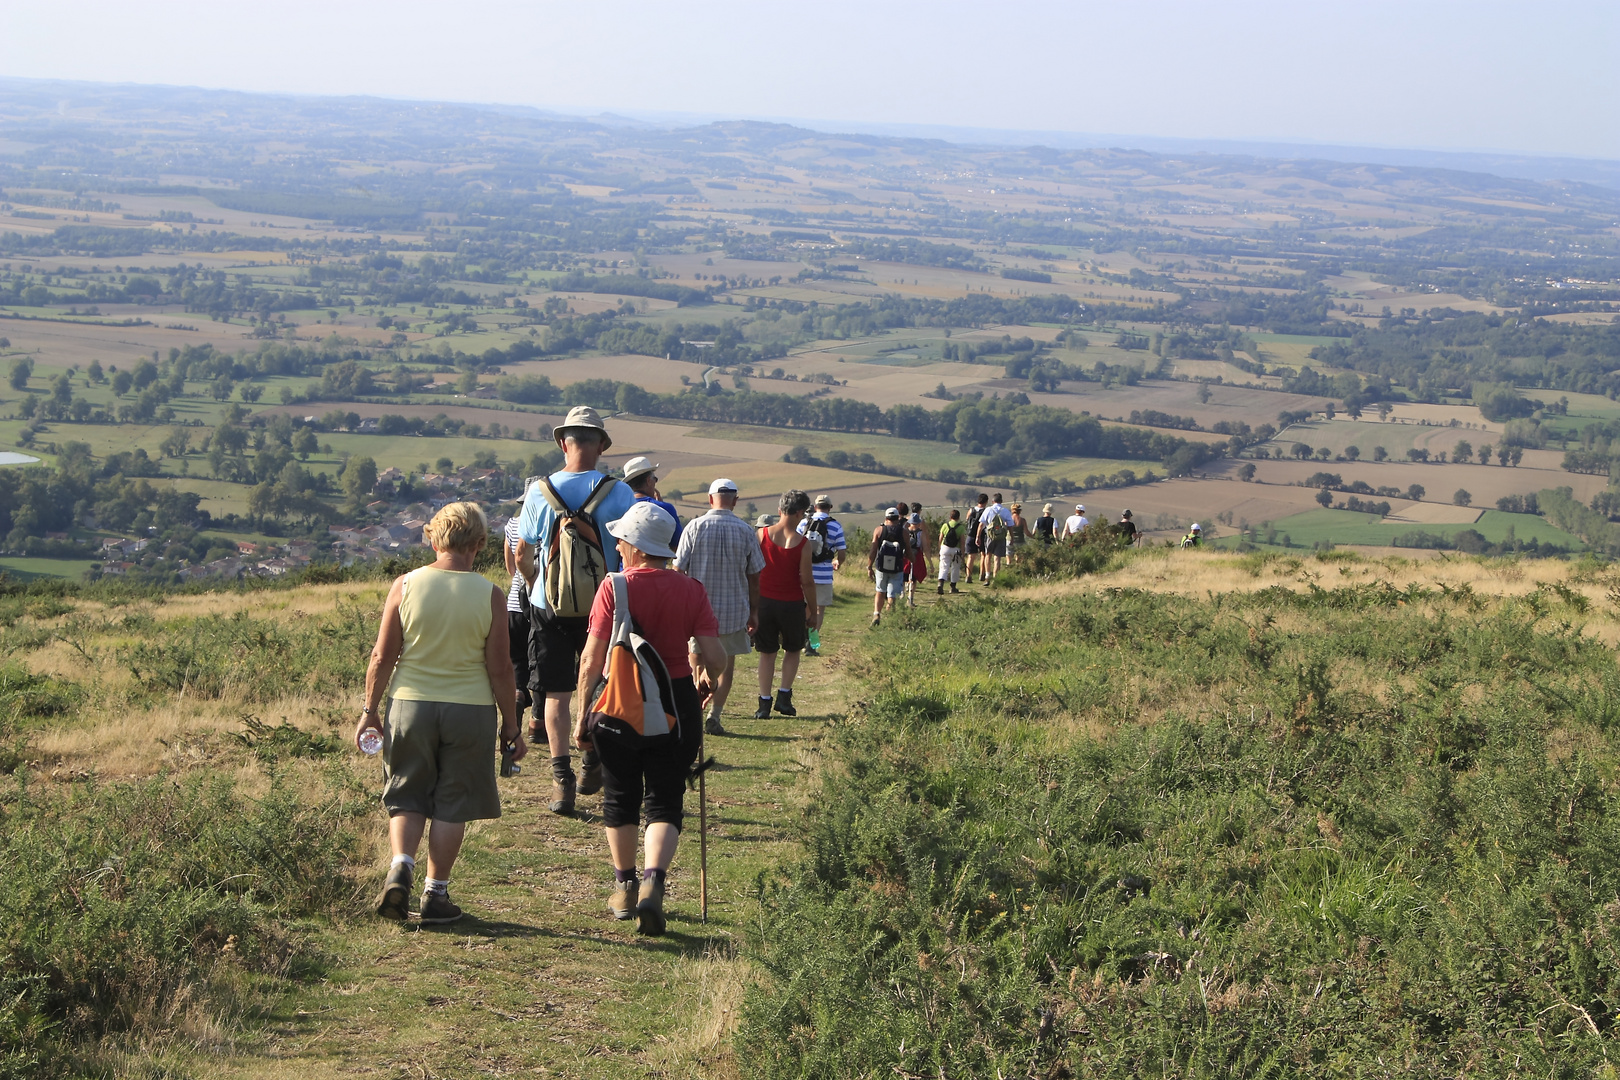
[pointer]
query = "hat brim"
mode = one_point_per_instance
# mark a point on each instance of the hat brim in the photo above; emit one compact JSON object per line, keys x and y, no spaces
{"x":657,"y":551}
{"x":558,"y":434}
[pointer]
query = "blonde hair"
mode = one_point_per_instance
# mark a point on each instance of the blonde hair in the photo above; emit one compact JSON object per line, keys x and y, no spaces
{"x":459,"y":527}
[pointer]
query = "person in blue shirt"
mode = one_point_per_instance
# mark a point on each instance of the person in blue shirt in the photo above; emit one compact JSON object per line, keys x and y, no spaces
{"x":555,"y":643}
{"x":642,"y":476}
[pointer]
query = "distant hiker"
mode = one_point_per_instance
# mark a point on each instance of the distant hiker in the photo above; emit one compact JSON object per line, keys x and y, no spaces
{"x":642,"y":476}
{"x":827,"y":554}
{"x":917,"y":546}
{"x":722,"y":552}
{"x":517,"y":610}
{"x":994,"y":525}
{"x":951,"y":538}
{"x":1126,"y":529}
{"x":564,"y":545}
{"x":1046,"y":525}
{"x":975,"y":552}
{"x":646,"y":753}
{"x":1194,"y":537}
{"x":443,"y":662}
{"x":787,"y":602}
{"x":886,"y":563}
{"x":1076,"y":522}
{"x":1017,"y":533}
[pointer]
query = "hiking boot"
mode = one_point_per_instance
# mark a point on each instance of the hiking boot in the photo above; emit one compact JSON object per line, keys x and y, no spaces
{"x":394,"y":902}
{"x":764,"y":710}
{"x":562,"y":795}
{"x":954,"y":589}
{"x":623,"y":901}
{"x":784,"y":703}
{"x":941,"y":590}
{"x":711,"y":726}
{"x":811,"y":650}
{"x":650,"y":908}
{"x":590,"y":772}
{"x":876,"y":619}
{"x":437,"y":909}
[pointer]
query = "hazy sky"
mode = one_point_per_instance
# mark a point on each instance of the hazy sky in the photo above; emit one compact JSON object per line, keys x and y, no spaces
{"x":1539,"y":78}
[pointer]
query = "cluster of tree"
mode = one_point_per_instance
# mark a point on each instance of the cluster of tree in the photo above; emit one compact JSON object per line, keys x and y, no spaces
{"x":1155,"y":418}
{"x":1473,"y":542}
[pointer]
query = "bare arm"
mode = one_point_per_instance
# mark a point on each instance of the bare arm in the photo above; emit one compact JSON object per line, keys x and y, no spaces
{"x":384,"y":655}
{"x":713,"y":656}
{"x":807,"y":581}
{"x":502,"y":682}
{"x":591,"y":663}
{"x":753,"y":604}
{"x":511,"y":557}
{"x":525,"y":562}
{"x":872,"y":552}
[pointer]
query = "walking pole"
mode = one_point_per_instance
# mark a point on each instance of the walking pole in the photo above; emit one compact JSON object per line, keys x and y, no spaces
{"x":703,"y":835}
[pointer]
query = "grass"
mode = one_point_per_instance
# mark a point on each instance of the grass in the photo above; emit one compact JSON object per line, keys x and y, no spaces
{"x":924,"y":455}
{"x":1345,"y":527}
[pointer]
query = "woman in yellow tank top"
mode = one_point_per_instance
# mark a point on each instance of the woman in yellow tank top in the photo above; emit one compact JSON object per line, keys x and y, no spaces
{"x":443,"y":660}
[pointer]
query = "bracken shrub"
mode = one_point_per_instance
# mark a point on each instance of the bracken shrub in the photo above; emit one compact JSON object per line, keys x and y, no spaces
{"x":1353,"y":831}
{"x":128,"y":905}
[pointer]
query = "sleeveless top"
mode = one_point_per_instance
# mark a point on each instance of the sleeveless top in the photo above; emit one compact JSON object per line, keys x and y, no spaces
{"x":780,"y":578}
{"x":445,"y":615}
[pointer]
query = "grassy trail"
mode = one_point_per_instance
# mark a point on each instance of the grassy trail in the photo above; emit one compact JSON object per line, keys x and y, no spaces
{"x":538,"y":978}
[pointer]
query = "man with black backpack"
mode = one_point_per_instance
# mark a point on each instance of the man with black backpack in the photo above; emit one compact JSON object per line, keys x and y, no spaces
{"x":563,"y":525}
{"x":974,"y":550}
{"x":886,"y":562}
{"x":827,"y":550}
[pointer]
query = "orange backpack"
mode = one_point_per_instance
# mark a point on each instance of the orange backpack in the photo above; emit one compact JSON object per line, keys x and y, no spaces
{"x":636,"y":691}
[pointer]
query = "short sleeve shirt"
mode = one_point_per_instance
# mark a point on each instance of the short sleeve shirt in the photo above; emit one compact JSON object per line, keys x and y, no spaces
{"x":721,"y":550}
{"x":1074,"y":524}
{"x":823,"y":571}
{"x":538,"y":521}
{"x":668,"y":607}
{"x":514,"y":594}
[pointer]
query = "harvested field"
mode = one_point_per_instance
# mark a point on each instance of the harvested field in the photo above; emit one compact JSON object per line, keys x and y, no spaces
{"x":1486,"y":483}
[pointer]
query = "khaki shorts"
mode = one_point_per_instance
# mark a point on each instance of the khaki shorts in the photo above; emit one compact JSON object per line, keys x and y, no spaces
{"x":737,"y":644}
{"x":439,"y":760}
{"x":824,"y":594}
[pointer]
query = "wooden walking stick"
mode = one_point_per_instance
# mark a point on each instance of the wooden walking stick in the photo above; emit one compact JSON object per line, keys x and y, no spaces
{"x":703,"y":835}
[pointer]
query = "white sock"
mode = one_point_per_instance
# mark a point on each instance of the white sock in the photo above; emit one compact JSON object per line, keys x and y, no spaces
{"x":406,"y":859}
{"x":435,"y":885}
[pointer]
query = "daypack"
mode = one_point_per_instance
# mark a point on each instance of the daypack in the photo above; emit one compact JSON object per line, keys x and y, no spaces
{"x":995,"y":527}
{"x":636,"y":690}
{"x":914,"y":530}
{"x":973,"y":522}
{"x":821,"y":549}
{"x":891,"y":556}
{"x":576,"y":562}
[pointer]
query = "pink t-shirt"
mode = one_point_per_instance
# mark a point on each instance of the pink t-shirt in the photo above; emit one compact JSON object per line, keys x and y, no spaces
{"x":668,"y":608}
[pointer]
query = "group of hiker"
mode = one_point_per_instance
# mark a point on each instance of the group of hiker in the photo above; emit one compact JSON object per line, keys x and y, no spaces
{"x":620,"y":638}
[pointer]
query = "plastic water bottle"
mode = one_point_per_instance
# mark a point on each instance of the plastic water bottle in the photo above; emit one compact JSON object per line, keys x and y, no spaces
{"x":371,"y":741}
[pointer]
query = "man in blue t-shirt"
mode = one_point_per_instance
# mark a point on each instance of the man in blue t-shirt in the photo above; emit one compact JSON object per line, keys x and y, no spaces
{"x":555,"y":643}
{"x":642,"y":476}
{"x":823,"y":563}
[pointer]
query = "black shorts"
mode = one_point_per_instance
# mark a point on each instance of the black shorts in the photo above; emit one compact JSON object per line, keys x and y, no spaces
{"x":517,"y":636}
{"x":554,"y":648}
{"x":649,"y":774}
{"x":781,"y":626}
{"x":972,"y":547}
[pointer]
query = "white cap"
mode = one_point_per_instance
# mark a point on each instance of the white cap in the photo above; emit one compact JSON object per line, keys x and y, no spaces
{"x":1080,"y":507}
{"x":636,"y":466}
{"x":647,"y":527}
{"x":723,"y":486}
{"x":1197,"y":527}
{"x":891,"y":512}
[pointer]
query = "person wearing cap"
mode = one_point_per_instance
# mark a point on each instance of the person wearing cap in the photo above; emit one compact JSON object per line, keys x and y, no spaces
{"x":642,"y":476}
{"x":722,"y":552}
{"x":1046,"y":525}
{"x":889,"y":584}
{"x":787,"y":602}
{"x":1126,"y":529}
{"x":555,"y":642}
{"x":1076,"y":522}
{"x":642,"y":773}
{"x":993,"y":537}
{"x":826,"y":559}
{"x":1194,"y":537}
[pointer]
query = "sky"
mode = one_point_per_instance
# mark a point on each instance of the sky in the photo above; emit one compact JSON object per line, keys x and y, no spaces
{"x":1431,"y":74}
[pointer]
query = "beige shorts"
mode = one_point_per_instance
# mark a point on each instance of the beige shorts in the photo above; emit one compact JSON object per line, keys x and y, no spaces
{"x":824,"y":594}
{"x":737,"y":644}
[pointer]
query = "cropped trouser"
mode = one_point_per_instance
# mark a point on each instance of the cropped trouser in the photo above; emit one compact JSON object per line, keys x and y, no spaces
{"x":950,"y":564}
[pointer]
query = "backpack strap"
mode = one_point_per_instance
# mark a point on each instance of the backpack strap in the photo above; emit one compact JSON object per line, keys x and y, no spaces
{"x":621,"y":609}
{"x":598,"y":494}
{"x":553,"y":497}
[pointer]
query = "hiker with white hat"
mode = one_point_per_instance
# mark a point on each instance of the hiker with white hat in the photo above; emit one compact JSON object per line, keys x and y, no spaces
{"x":644,"y":771}
{"x":722,"y":552}
{"x":886,"y":563}
{"x":563,"y":526}
{"x":642,"y":476}
{"x":1075,"y":523}
{"x":1194,"y":537}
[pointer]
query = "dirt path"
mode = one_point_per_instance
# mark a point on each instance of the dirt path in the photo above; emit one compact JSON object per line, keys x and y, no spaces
{"x":538,"y":979}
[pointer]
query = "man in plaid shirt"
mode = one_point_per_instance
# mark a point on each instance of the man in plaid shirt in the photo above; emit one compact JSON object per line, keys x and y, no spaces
{"x":721,"y":550}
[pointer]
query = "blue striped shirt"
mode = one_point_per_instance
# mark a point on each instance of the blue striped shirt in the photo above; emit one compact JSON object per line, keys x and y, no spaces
{"x":823,"y":571}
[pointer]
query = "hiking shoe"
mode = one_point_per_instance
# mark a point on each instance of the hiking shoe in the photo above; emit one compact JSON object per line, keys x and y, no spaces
{"x":954,"y":589}
{"x":650,"y":908}
{"x":394,"y":902}
{"x":764,"y":710}
{"x":941,"y":590}
{"x":784,"y":703}
{"x":623,"y":901}
{"x":876,"y":619}
{"x":811,"y":650}
{"x":437,"y":909}
{"x":562,"y":795}
{"x":590,"y":772}
{"x":711,"y":726}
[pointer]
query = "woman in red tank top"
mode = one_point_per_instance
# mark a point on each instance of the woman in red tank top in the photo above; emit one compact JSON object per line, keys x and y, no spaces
{"x":787,"y":597}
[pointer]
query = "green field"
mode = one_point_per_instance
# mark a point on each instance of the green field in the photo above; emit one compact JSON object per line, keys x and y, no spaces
{"x":27,"y":568}
{"x":1344,"y":527}
{"x":921,"y":454}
